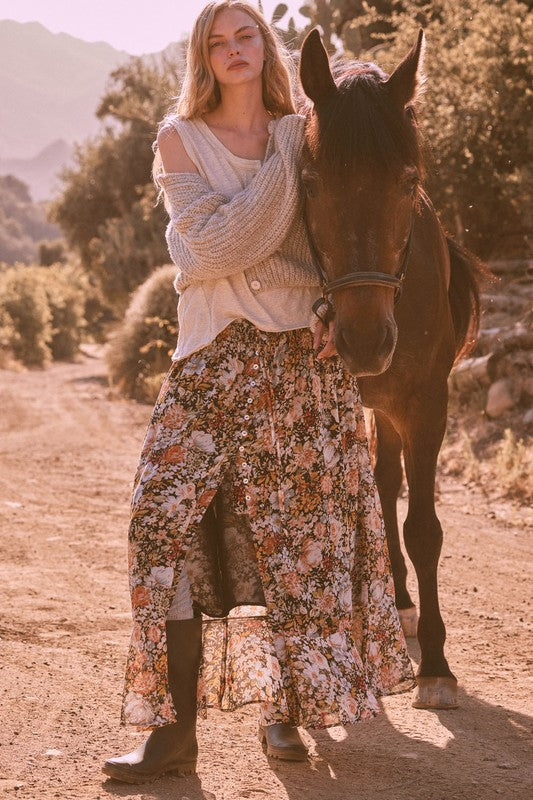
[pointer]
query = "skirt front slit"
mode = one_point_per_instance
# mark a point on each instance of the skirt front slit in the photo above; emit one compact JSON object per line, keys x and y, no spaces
{"x":282,"y":434}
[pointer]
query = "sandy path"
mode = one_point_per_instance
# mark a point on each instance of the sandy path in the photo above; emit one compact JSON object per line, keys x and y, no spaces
{"x":68,"y":454}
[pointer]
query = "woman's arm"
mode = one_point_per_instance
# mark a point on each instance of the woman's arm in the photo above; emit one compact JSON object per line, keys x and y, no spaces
{"x":211,"y":235}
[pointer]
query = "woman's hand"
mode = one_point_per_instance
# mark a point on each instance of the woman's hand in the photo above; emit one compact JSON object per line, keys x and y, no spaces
{"x":322,"y":330}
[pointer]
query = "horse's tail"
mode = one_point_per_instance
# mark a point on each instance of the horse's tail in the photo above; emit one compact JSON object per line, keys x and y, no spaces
{"x":466,"y":274}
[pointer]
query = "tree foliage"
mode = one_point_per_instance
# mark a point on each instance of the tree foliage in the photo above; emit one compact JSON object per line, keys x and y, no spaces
{"x":108,"y":210}
{"x":42,"y":313}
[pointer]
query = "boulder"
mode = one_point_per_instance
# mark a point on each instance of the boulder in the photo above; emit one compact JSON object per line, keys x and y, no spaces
{"x":502,"y":396}
{"x":528,"y":418}
{"x":528,"y":388}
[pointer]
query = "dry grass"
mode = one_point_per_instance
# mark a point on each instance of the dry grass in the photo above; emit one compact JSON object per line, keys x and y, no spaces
{"x":482,"y":453}
{"x":514,"y":465}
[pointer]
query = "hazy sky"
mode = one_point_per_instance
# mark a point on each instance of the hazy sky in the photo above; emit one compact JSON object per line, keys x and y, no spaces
{"x":132,"y":25}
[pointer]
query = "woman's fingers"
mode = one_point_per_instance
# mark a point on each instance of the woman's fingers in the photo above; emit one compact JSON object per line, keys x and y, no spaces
{"x":318,"y":335}
{"x":329,"y":348}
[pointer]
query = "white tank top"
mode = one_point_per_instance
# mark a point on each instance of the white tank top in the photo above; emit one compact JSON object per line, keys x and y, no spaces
{"x":205,"y":309}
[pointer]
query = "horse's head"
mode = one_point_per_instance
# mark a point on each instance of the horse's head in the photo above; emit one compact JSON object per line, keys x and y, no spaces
{"x":361,"y":172}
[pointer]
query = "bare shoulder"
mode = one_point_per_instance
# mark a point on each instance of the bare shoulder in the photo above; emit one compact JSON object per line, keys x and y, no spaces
{"x":172,"y":150}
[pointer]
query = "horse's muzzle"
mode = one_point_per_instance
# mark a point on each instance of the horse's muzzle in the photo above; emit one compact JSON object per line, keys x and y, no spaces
{"x":364,"y":354}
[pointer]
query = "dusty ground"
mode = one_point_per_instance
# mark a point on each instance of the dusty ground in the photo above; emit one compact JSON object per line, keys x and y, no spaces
{"x":68,"y":454}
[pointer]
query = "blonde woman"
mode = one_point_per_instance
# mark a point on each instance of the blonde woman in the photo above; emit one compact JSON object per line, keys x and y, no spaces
{"x":254,"y":486}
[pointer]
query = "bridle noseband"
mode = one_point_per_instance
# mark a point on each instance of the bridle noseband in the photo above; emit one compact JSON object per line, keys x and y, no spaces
{"x":323,"y":307}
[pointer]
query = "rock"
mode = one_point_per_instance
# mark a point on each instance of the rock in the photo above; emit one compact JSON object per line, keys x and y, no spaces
{"x":501,"y":397}
{"x":490,"y":340}
{"x":528,"y":418}
{"x":472,"y":373}
{"x":527,"y":387}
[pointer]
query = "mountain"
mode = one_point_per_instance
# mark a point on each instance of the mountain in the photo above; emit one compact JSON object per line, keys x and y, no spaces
{"x":41,"y":171}
{"x":22,"y":223}
{"x":50,"y":85}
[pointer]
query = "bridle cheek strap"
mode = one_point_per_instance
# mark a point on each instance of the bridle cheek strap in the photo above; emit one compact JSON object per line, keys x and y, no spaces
{"x":323,"y":307}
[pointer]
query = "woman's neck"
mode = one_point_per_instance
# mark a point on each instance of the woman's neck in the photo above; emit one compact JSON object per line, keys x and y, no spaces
{"x":241,"y":109}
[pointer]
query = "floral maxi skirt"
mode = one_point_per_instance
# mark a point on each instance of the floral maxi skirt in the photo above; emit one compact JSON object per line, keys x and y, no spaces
{"x":290,"y":431}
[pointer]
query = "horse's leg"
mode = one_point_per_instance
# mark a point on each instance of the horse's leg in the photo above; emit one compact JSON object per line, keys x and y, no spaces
{"x":422,"y":436}
{"x":388,"y":473}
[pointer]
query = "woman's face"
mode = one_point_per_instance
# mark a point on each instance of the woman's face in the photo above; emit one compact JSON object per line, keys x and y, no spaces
{"x":236,"y":48}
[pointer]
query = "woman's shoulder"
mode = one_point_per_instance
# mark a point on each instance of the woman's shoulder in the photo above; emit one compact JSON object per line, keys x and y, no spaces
{"x":296,"y":120}
{"x":173,"y":142}
{"x":288,"y":132}
{"x":289,"y":123}
{"x":173,"y":124}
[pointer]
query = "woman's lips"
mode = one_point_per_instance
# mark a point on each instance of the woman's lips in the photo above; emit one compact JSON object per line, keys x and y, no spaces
{"x":238,"y":64}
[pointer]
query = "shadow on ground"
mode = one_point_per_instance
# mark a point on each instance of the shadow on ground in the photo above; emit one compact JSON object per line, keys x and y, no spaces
{"x":479,"y":750}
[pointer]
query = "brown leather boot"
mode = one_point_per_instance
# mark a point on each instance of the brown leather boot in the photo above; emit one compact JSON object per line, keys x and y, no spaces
{"x":170,"y":748}
{"x":283,"y":741}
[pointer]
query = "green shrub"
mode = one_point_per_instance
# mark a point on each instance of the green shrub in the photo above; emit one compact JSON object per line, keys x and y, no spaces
{"x":41,"y":313}
{"x":7,"y":332}
{"x":141,"y":347}
{"x":97,"y":312}
{"x":25,"y":303}
{"x":64,"y":287}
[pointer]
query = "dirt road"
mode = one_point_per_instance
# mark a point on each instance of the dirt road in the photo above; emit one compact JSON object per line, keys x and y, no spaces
{"x":68,"y":454}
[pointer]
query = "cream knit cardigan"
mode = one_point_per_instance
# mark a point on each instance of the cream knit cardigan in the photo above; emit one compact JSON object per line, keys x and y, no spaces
{"x":212,"y":236}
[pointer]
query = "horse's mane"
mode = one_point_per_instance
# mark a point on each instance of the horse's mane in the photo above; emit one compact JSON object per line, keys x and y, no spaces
{"x":363,"y":125}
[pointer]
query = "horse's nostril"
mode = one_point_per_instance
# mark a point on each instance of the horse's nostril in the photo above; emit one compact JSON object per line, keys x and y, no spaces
{"x":344,"y":343}
{"x":341,"y":338}
{"x":388,"y":341}
{"x":366,"y":355}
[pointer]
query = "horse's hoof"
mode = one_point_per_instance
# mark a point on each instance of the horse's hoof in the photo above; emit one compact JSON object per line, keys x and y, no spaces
{"x":435,"y":693}
{"x":409,"y":620}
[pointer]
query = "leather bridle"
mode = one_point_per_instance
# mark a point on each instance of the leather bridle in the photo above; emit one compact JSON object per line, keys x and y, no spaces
{"x":323,"y":307}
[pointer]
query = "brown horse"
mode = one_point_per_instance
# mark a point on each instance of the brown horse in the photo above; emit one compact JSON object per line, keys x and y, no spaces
{"x":405,"y":300}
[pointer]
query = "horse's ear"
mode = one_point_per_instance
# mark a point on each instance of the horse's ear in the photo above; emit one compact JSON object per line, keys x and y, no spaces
{"x":315,"y":74}
{"x":406,"y":81}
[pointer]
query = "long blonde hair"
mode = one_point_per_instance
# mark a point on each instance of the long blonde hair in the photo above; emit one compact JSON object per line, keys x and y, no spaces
{"x":200,"y":92}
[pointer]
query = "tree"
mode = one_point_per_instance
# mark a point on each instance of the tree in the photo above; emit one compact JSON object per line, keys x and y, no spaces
{"x":108,"y":210}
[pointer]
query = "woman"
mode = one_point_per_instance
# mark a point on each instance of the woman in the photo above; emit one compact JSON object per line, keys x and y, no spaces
{"x":251,"y":409}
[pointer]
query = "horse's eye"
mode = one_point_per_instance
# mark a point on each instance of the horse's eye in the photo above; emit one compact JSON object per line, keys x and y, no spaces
{"x":310,"y":182}
{"x":410,"y":184}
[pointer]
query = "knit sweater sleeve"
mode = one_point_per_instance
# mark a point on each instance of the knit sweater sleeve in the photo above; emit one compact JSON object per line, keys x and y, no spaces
{"x":212,"y":236}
